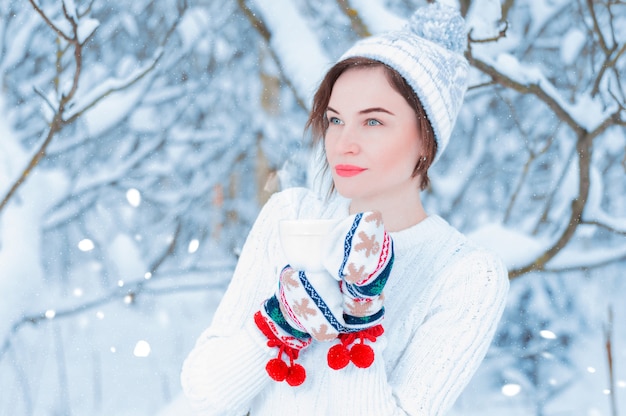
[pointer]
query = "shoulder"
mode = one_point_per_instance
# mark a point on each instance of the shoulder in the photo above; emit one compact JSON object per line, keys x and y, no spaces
{"x":461,"y":248}
{"x":480,"y":273}
{"x":467,"y":260}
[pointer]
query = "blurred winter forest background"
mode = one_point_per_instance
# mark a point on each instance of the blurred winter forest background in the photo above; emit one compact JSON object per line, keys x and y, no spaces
{"x":138,"y":141}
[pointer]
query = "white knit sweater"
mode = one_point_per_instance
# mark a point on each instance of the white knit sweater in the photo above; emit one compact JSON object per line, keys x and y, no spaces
{"x":443,"y":300}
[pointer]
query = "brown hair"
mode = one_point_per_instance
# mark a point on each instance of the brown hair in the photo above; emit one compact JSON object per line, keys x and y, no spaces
{"x":318,"y":123}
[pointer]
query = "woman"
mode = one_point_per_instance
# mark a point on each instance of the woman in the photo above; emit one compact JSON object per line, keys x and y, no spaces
{"x":384,"y":112}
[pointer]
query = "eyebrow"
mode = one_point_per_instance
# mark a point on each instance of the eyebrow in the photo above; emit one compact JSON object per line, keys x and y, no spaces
{"x":365,"y":111}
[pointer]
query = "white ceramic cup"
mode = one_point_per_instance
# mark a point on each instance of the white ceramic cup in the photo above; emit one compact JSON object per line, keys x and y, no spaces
{"x":302,"y":242}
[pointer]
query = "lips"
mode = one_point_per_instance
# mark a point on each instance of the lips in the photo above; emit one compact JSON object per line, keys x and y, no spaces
{"x":347,"y":171}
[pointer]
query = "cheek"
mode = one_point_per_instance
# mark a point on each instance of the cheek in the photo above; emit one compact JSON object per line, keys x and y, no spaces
{"x":402,"y":157}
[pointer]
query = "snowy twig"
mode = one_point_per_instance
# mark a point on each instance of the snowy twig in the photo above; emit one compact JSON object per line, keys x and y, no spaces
{"x":611,"y":54}
{"x":43,"y":96}
{"x":552,"y":196}
{"x":596,"y":28}
{"x":605,"y":226}
{"x":533,"y":155}
{"x":608,"y":344}
{"x":140,"y":74}
{"x":546,"y":93}
{"x":359,"y":27}
{"x":121,"y":87}
{"x":54,"y":27}
{"x":501,"y":34}
{"x":583,"y":147}
{"x":261,"y":27}
{"x":589,"y":265}
{"x":525,"y":88}
{"x":127,"y":295}
{"x":59,"y":121}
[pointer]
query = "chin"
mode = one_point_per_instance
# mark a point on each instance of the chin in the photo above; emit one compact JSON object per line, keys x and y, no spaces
{"x":349,"y":192}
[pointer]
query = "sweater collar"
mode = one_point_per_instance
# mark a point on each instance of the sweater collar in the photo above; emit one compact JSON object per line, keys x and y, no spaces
{"x":417,"y":234}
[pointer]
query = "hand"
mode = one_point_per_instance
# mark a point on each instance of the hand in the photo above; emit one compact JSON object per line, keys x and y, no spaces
{"x":306,"y":305}
{"x":289,"y":341}
{"x":282,"y":332}
{"x":359,"y":253}
{"x":311,"y":302}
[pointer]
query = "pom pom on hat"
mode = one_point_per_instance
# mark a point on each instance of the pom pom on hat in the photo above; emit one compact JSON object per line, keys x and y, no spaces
{"x":441,"y":25}
{"x":428,"y":53}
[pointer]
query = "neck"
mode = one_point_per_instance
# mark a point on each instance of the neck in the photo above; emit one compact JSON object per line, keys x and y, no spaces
{"x":396,"y":217}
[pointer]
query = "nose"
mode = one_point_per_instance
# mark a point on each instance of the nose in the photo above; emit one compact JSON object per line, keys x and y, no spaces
{"x":345,"y":139}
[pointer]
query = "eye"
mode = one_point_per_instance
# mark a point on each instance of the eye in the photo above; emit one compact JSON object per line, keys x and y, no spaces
{"x":373,"y":122}
{"x":334,"y":120}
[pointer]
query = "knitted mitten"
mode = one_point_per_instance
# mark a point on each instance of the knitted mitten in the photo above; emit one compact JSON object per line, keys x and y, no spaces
{"x":312,"y":303}
{"x":362,"y":263}
{"x":289,"y":341}
{"x":305,"y":306}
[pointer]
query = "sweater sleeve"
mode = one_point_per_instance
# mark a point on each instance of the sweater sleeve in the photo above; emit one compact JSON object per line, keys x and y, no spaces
{"x":450,"y":344}
{"x":444,"y":351}
{"x":226,"y":368}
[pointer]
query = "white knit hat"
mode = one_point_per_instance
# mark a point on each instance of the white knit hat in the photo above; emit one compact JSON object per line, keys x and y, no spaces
{"x":428,"y":53}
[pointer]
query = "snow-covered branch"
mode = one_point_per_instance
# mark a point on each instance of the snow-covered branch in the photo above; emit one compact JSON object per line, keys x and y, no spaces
{"x":587,"y":118}
{"x":301,"y":58}
{"x":82,"y":29}
{"x":57,"y":121}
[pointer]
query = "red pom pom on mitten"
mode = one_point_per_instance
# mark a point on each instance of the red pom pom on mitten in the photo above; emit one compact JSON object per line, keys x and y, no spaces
{"x":277,"y":369}
{"x":294,"y":374}
{"x":338,"y":357}
{"x":361,"y":354}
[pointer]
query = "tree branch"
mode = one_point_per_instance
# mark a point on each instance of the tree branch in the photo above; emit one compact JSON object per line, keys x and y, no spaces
{"x":596,"y":28}
{"x":359,"y":27}
{"x":604,"y":226}
{"x":608,"y":345}
{"x":58,"y":31}
{"x":58,"y":121}
{"x":532,"y":88}
{"x":583,"y":147}
{"x":501,"y":34}
{"x":260,"y":27}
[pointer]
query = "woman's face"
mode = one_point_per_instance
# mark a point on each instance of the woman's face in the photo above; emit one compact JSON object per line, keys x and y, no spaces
{"x":372,"y":143}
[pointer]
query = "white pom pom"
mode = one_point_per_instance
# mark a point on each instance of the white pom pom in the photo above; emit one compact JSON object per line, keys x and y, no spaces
{"x":440,"y":24}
